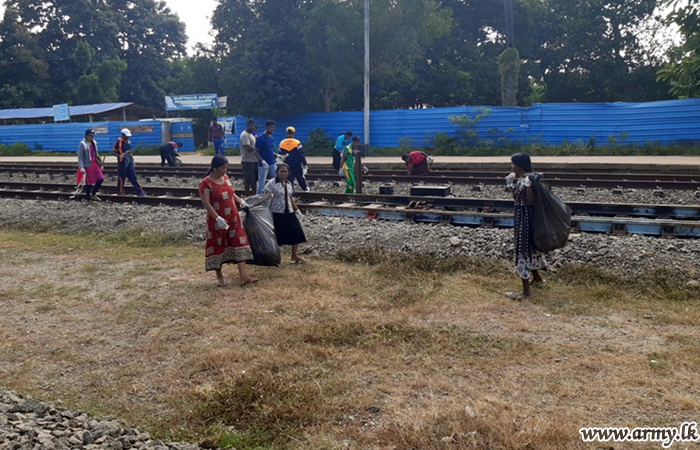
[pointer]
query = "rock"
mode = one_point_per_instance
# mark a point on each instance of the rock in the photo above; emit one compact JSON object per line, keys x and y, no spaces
{"x":455,"y":241}
{"x":693,"y":284}
{"x":659,"y":193}
{"x":374,"y":409}
{"x":617,"y":191}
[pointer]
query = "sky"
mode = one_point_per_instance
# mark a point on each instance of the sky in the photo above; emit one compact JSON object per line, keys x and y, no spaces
{"x":196,"y":15}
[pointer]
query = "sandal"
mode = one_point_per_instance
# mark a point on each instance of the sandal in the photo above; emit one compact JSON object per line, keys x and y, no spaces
{"x":299,"y":261}
{"x":538,"y":284}
{"x":248,"y":281}
{"x":517,"y":296}
{"x":221,"y":283}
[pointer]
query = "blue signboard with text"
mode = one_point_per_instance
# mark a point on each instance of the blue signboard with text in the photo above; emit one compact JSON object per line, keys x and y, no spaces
{"x":191,"y":102}
{"x":61,"y":113}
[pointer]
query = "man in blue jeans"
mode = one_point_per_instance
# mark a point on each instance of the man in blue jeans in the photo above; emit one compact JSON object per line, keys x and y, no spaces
{"x":217,"y":136}
{"x":266,"y":148}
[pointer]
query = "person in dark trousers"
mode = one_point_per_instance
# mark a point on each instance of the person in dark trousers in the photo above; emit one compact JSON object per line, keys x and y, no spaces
{"x":90,"y":165}
{"x":169,"y":154}
{"x":340,"y":144}
{"x":265,"y":144}
{"x":125,"y":163}
{"x":416,"y":163}
{"x":285,"y":212}
{"x":528,"y":261}
{"x":293,"y":153}
{"x":217,"y":137}
{"x":249,"y":158}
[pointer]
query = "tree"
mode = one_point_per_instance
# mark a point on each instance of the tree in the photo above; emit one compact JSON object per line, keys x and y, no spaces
{"x":24,"y":74}
{"x":336,"y":51}
{"x":143,"y":34}
{"x":683,"y":71}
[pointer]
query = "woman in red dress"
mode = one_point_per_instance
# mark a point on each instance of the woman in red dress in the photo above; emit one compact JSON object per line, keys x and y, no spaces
{"x":226,"y":238}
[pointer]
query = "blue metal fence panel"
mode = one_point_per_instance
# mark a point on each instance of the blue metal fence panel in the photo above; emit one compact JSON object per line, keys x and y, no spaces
{"x":666,"y":122}
{"x":66,"y":137}
{"x":183,"y":133}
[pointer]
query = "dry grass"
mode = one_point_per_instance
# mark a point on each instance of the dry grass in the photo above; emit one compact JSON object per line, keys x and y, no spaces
{"x":395,"y":352}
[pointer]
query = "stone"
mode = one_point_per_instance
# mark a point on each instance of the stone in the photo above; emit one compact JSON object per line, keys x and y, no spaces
{"x":693,"y":284}
{"x":455,"y":241}
{"x":617,"y":191}
{"x":659,"y":193}
{"x":477,"y":188}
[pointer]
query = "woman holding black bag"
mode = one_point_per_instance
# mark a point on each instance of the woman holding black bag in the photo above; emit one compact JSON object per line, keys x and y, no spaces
{"x":285,"y":212}
{"x":528,"y":260}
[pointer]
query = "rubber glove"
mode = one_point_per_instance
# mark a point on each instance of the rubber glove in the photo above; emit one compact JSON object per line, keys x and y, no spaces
{"x":244,"y":206}
{"x":304,"y":170}
{"x":82,"y":170}
{"x":265,"y":164}
{"x":341,"y":172}
{"x":221,"y":223}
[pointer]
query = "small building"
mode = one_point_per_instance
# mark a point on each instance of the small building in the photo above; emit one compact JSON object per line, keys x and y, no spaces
{"x":101,"y":112}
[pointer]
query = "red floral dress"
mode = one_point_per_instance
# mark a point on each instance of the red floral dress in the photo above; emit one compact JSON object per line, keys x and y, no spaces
{"x":224,"y":246}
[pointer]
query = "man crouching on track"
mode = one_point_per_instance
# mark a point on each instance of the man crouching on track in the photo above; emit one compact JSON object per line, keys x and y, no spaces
{"x":293,"y":154}
{"x":125,"y":165}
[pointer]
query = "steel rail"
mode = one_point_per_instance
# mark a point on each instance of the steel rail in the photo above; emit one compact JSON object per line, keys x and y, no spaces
{"x":615,"y":225}
{"x":430,"y":179}
{"x":685,"y":212}
{"x":442,"y":174}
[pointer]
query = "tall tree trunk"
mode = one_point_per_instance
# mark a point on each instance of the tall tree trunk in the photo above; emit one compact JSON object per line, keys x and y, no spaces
{"x":509,"y":68}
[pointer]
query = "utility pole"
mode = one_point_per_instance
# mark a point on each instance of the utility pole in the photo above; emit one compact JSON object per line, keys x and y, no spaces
{"x":367,"y":74}
{"x":510,"y":34}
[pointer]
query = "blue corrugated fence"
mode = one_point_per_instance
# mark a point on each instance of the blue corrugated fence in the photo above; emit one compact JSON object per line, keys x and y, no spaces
{"x":665,"y":122}
{"x":65,"y":137}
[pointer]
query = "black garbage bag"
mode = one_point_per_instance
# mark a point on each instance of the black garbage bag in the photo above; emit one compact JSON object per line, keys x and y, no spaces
{"x":552,"y":221}
{"x":260,"y":229}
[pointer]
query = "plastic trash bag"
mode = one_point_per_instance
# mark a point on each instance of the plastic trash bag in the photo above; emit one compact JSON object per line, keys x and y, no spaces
{"x":260,"y":229}
{"x":552,"y":219}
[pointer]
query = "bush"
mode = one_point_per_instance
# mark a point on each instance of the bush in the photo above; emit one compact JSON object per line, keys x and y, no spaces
{"x":318,"y":144}
{"x":16,"y":149}
{"x":146,"y":150}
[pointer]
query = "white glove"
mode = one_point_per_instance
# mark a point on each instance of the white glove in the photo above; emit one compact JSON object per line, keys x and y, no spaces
{"x":299,"y":215}
{"x":221,"y":223}
{"x":265,"y":164}
{"x":341,"y":172}
{"x":304,"y":170}
{"x":243,"y":205}
{"x":365,"y":169}
{"x":210,"y":144}
{"x":82,"y":170}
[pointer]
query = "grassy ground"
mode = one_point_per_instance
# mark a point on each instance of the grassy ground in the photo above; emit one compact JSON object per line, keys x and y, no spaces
{"x":368,"y":350}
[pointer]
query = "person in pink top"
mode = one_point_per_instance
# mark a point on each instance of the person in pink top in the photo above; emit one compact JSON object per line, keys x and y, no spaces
{"x":416,"y":163}
{"x":90,"y":165}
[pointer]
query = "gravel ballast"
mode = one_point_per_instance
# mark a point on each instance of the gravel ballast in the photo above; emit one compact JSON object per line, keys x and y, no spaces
{"x":627,"y":256}
{"x":29,"y":424}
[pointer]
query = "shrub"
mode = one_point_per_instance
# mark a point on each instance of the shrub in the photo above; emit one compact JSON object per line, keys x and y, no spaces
{"x":16,"y":149}
{"x":318,"y":144}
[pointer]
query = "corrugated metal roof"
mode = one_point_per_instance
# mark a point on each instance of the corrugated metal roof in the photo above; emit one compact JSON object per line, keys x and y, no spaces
{"x":78,"y":110}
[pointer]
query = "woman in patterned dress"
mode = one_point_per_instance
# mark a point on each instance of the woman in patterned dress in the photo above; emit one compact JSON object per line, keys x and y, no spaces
{"x":227,"y":241}
{"x":528,"y":261}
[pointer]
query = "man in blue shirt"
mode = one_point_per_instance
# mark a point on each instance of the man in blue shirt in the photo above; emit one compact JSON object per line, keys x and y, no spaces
{"x":340,"y":144}
{"x":266,"y":148}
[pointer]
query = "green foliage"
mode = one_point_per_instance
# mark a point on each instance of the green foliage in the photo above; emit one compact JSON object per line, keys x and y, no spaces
{"x":146,"y":150}
{"x":466,"y":131}
{"x":78,"y":51}
{"x":16,"y":149}
{"x":683,"y":72}
{"x":319,"y":143}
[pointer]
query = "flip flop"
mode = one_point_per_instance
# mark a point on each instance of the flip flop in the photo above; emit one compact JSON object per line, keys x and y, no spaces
{"x":224,"y":284}
{"x":299,"y":261}
{"x":247,"y":282}
{"x":517,"y":296}
{"x":540,"y":284}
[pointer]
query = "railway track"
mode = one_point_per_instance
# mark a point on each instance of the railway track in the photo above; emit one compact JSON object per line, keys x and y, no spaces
{"x":653,"y":220}
{"x":481,"y":177}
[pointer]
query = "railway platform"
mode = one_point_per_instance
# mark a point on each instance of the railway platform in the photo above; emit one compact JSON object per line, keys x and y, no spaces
{"x":660,"y":164}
